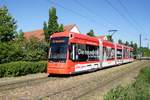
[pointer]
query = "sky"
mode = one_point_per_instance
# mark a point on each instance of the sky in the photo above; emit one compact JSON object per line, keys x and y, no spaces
{"x":129,"y":17}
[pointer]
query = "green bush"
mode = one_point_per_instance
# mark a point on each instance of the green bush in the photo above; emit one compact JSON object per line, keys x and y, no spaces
{"x":22,"y":68}
{"x":139,"y":90}
{"x":35,"y":50}
{"x":10,"y":51}
{"x":23,"y":50}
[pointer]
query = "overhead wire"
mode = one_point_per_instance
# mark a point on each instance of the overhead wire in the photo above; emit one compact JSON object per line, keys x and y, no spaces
{"x":76,"y":13}
{"x":129,"y":15}
{"x":92,"y":12}
{"x":132,"y":18}
{"x":143,"y":33}
{"x":122,"y":15}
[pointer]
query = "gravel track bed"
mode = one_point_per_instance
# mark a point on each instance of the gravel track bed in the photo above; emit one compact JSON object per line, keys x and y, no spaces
{"x":21,"y":78}
{"x":18,"y":84}
{"x":69,"y":87}
{"x":123,"y":80}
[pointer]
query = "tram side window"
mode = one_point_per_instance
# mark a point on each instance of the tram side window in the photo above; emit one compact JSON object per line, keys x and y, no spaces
{"x":83,"y":52}
{"x":131,"y":54}
{"x":104,"y":53}
{"x":80,"y":53}
{"x":108,"y":53}
{"x":92,"y":52}
{"x":125,"y":53}
{"x":119,"y":53}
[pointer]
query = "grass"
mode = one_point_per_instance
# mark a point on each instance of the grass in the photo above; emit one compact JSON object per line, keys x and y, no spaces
{"x":139,"y":90}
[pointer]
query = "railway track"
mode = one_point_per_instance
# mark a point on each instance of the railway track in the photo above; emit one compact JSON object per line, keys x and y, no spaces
{"x":5,"y":86}
{"x":91,"y":85}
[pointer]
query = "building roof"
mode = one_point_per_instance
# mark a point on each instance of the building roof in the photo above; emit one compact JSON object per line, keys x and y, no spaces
{"x":40,"y":33}
{"x":68,"y":27}
{"x":36,"y":33}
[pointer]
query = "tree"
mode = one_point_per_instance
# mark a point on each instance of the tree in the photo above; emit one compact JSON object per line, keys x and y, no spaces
{"x":131,"y":43}
{"x":61,"y":28}
{"x":91,"y":33}
{"x":20,"y":34}
{"x":120,"y":41}
{"x":127,"y":43}
{"x":109,"y":38}
{"x":34,"y":50}
{"x":135,"y":50}
{"x":52,"y":23}
{"x":45,"y":29}
{"x":7,"y":25}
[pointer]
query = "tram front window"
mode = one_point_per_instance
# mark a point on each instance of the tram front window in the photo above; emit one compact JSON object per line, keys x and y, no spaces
{"x":58,"y":49}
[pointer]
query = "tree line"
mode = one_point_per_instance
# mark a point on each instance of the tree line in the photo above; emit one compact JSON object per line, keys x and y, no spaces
{"x":13,"y":46}
{"x":17,"y":55}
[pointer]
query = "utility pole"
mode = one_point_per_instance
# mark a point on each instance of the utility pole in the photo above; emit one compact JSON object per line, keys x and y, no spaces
{"x":140,"y":46}
{"x":112,"y":33}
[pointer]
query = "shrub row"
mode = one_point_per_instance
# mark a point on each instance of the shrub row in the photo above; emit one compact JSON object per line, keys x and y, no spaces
{"x":139,"y":90}
{"x":25,"y":50}
{"x":20,"y":68}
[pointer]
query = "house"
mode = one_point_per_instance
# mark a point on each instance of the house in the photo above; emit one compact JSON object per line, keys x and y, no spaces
{"x":39,"y":34}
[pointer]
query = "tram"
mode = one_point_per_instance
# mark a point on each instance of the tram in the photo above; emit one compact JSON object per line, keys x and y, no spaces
{"x":72,"y":52}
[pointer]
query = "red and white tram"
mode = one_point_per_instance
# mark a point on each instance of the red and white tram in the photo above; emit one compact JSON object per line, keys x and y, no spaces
{"x":72,"y":53}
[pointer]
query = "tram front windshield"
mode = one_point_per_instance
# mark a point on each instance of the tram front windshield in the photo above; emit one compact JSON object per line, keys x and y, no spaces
{"x":58,"y":49}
